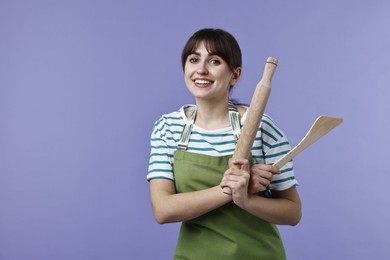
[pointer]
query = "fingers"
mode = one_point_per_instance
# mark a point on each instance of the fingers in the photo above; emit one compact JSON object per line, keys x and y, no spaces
{"x":260,"y":177}
{"x":265,"y":168}
{"x":242,"y":164}
{"x":263,"y":171}
{"x":258,"y":185}
{"x":236,"y":178}
{"x":263,"y":181}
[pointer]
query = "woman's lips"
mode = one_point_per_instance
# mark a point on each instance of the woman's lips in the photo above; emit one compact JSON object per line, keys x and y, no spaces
{"x":202,"y":83}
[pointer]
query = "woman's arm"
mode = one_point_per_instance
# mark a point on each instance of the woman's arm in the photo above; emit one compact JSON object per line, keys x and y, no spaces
{"x":283,"y":209}
{"x":169,"y":206}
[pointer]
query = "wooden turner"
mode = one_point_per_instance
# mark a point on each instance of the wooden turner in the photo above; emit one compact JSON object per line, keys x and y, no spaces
{"x":320,"y":127}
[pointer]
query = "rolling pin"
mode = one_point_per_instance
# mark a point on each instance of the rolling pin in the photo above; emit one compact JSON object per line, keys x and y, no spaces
{"x":255,"y":114}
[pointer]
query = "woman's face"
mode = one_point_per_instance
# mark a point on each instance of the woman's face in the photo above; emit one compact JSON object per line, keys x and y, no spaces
{"x":208,"y":76}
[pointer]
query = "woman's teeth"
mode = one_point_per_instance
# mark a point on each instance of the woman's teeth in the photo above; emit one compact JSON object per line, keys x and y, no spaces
{"x":202,"y":82}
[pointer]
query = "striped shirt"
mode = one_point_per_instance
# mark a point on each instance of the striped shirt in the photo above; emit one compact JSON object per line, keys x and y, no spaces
{"x":269,"y":145}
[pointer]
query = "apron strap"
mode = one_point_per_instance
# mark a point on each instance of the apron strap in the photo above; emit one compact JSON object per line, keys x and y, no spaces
{"x":234,"y":117}
{"x":186,"y":133}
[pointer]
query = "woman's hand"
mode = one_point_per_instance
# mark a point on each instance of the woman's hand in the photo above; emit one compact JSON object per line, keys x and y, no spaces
{"x":260,"y":177}
{"x":283,"y":209}
{"x":237,"y":179}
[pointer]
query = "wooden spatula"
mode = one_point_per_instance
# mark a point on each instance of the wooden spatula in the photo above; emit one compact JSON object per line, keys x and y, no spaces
{"x":320,"y":127}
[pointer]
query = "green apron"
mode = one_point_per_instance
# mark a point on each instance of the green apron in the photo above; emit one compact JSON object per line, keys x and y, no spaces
{"x":227,"y":232}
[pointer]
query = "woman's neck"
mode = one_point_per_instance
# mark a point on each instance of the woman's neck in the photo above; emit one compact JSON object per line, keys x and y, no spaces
{"x":212,"y":115}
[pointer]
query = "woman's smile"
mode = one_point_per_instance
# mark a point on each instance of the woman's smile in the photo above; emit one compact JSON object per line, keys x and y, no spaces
{"x":202,"y":83}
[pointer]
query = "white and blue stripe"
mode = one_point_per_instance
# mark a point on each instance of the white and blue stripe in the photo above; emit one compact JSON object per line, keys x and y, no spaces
{"x":270,"y":144}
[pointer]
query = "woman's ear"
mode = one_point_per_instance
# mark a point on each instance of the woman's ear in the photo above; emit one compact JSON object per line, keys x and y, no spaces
{"x":236,"y":76}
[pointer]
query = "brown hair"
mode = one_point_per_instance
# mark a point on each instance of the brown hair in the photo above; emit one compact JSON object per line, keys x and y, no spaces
{"x":218,"y":42}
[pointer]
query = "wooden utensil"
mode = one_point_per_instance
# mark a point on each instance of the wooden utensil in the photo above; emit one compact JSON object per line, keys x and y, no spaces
{"x":255,"y":113}
{"x":321,"y":126}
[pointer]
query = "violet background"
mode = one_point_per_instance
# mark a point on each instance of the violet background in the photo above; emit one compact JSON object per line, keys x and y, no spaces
{"x":82,"y":83}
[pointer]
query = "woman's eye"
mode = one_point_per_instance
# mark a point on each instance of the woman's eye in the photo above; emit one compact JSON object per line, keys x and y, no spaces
{"x":193,"y":60}
{"x":215,"y":62}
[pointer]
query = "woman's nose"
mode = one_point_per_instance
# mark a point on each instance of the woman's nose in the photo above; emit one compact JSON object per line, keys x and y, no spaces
{"x":202,"y":68}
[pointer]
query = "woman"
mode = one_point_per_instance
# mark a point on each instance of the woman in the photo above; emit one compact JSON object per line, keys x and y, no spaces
{"x":189,"y":164}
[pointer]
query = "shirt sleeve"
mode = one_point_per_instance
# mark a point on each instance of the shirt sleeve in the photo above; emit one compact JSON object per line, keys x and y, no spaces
{"x":160,"y":161}
{"x":275,"y":144}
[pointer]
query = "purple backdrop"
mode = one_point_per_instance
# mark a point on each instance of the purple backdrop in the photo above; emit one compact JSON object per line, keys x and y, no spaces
{"x":82,"y":82}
